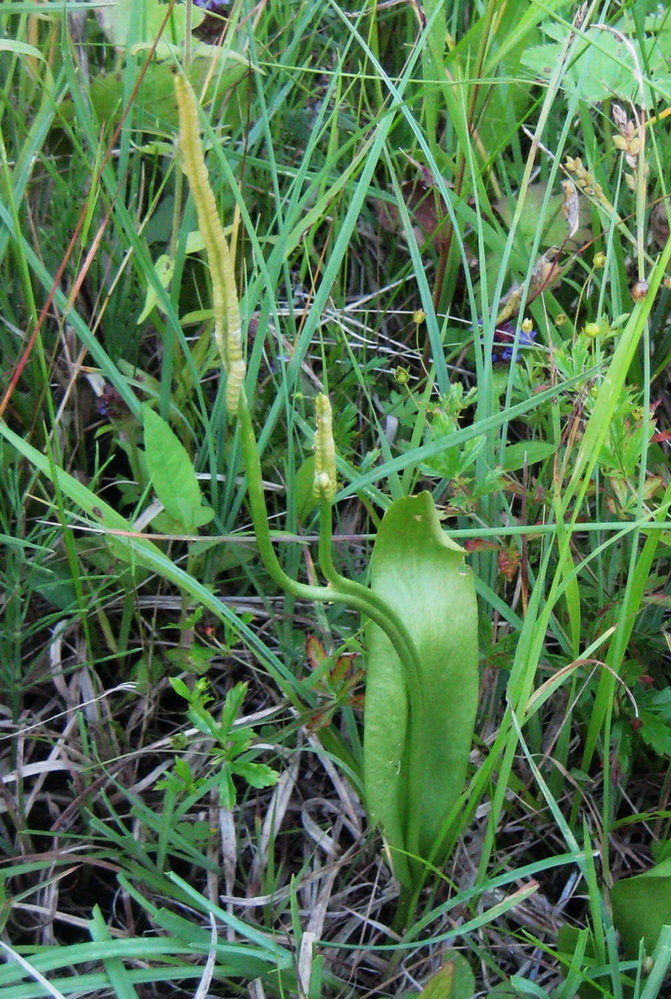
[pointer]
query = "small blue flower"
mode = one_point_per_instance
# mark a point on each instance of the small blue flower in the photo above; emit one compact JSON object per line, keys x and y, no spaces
{"x":212,"y":6}
{"x":506,"y":335}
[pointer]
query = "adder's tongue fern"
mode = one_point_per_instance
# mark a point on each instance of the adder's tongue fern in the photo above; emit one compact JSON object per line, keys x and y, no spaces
{"x":229,"y":343}
{"x":420,"y":599}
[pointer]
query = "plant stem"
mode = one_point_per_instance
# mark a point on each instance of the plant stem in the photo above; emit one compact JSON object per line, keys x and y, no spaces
{"x":348,"y":592}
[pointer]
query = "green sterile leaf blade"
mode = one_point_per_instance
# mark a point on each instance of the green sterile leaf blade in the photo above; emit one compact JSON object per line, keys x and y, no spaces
{"x":555,"y":228}
{"x":454,"y":980}
{"x":171,"y":471}
{"x":156,"y":107}
{"x":385,"y":766}
{"x":306,"y":501}
{"x":134,"y":20}
{"x":165,"y":268}
{"x":516,"y":455}
{"x":195,"y":242}
{"x":641,"y":907}
{"x":385,"y":730}
{"x":202,"y":516}
{"x":421,"y":574}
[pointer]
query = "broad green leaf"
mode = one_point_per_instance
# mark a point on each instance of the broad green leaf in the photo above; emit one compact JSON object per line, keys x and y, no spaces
{"x":454,"y":980}
{"x":306,"y":501}
{"x":606,"y":64}
{"x":194,"y":242}
{"x":136,"y":21}
{"x":165,"y":268}
{"x":172,"y":474}
{"x":515,"y":455}
{"x":641,"y":907}
{"x":415,"y":756}
{"x":555,"y":227}
{"x":155,"y":102}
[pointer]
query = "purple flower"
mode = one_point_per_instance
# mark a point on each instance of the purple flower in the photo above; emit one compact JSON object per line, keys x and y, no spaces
{"x":212,"y":6}
{"x":506,"y":334}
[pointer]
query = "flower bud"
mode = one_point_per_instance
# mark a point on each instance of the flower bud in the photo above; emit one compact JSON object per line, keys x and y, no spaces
{"x":639,"y":291}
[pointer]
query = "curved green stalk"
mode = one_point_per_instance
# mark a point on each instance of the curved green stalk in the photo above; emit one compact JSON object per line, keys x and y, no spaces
{"x":346,"y":591}
{"x":403,"y":643}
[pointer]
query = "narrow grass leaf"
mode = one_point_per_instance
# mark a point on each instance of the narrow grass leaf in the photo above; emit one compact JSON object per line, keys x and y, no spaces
{"x":118,"y":975}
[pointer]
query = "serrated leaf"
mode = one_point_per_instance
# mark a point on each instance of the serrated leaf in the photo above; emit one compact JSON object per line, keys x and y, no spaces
{"x":601,"y":70}
{"x":655,"y":732}
{"x":257,"y":775}
{"x":171,"y":472}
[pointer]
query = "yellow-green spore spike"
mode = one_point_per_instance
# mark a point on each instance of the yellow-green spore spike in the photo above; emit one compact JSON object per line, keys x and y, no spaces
{"x":324,"y":483}
{"x":225,"y":297}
